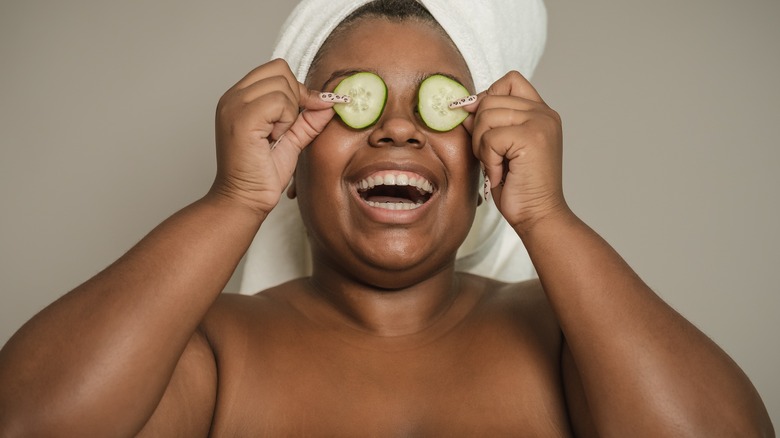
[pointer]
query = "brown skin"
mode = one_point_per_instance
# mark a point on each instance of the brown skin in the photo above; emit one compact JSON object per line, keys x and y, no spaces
{"x":384,"y":339}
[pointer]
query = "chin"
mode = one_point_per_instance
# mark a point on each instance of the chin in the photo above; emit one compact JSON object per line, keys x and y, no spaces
{"x":398,"y":270}
{"x":398,"y":279}
{"x":388,"y":264}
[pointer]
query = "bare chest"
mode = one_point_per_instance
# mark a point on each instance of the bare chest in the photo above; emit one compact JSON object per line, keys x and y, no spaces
{"x":481,"y":384}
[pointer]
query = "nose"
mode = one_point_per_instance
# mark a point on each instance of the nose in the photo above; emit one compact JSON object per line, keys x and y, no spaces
{"x":397,"y":128}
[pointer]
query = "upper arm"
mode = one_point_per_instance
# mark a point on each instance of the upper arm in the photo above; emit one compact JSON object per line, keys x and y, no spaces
{"x":187,"y":407}
{"x":577,"y":404}
{"x":579,"y":412}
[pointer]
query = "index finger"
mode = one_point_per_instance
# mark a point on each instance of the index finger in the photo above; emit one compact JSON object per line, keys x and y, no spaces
{"x":306,"y":99}
{"x":511,"y":84}
{"x":514,"y":84}
{"x":276,"y":67}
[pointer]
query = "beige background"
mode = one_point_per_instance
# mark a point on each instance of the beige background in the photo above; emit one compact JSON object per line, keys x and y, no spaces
{"x":670,"y":114}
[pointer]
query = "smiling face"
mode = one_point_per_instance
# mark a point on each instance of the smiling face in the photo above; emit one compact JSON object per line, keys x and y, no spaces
{"x":389,"y":204}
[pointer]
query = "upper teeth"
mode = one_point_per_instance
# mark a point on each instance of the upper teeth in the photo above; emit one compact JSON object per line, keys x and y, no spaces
{"x":400,"y":179}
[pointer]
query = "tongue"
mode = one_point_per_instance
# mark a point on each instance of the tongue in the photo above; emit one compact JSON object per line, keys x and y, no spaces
{"x":385,"y":199}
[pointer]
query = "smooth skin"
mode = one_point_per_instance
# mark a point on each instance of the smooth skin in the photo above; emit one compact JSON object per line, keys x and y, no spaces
{"x":385,"y":338}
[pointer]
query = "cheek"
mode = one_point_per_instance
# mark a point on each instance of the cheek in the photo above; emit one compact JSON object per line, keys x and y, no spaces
{"x":324,"y":154}
{"x":314,"y":195}
{"x":459,"y":159}
{"x":320,"y":169}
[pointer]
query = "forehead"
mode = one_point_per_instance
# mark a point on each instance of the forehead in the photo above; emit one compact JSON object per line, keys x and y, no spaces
{"x":396,"y":50}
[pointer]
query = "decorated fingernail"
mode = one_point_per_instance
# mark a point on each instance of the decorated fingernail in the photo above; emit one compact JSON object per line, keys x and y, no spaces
{"x":335,"y":98}
{"x":468,"y":100}
{"x":486,"y":186}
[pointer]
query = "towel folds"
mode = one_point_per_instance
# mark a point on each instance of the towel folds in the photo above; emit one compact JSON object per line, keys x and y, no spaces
{"x":494,"y":36}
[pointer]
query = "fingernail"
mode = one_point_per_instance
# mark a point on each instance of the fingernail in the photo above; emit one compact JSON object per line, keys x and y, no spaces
{"x":486,"y":186}
{"x":468,"y":100}
{"x":276,"y":143}
{"x":335,"y":98}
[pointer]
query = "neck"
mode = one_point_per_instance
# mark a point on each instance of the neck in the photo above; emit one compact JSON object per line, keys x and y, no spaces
{"x":387,"y":313}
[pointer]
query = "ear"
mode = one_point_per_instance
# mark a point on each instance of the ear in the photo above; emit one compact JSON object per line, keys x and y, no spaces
{"x":291,"y":190}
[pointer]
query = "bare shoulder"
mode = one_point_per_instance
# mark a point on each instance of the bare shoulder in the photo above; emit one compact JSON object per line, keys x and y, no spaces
{"x":526,"y":296}
{"x":521,"y":305}
{"x":517,"y":320}
{"x":235,"y":318}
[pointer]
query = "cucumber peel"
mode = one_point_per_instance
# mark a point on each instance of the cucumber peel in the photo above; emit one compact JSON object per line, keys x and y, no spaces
{"x":368,"y":94}
{"x":434,"y":97}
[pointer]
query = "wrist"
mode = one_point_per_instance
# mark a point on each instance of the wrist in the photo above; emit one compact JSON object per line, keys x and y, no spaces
{"x":550,"y":218}
{"x":234,"y":207}
{"x":233,"y":201}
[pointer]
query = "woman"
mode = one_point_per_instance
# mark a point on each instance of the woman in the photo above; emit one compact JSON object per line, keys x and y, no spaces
{"x":384,"y":337}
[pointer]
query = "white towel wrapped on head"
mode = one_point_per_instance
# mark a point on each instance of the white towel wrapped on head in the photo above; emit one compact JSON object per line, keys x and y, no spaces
{"x":494,"y":37}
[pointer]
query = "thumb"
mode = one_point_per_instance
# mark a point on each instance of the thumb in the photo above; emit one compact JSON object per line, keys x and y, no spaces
{"x":314,"y":116}
{"x":308,"y":125}
{"x":311,"y":121}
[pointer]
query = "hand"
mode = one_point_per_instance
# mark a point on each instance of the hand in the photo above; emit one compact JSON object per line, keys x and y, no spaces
{"x":260,"y":132}
{"x":518,"y":139}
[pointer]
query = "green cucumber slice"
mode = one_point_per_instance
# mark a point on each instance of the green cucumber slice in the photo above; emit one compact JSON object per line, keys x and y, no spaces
{"x":368,"y":94}
{"x":435,"y":95}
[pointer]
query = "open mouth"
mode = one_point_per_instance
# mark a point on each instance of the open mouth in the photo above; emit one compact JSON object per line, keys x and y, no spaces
{"x":395,"y":190}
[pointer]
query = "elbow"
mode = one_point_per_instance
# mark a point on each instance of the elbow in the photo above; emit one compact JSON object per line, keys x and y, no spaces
{"x":758,"y":423}
{"x":755,"y":423}
{"x":16,"y":422}
{"x":13,"y":426}
{"x":764,"y":428}
{"x":760,"y":429}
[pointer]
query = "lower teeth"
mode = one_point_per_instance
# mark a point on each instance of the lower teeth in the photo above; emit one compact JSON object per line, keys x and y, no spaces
{"x":394,"y":205}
